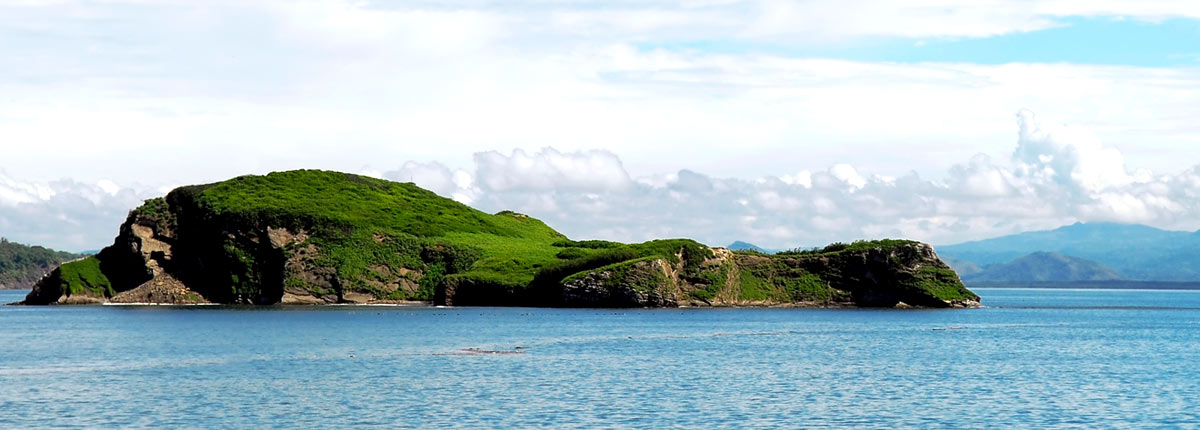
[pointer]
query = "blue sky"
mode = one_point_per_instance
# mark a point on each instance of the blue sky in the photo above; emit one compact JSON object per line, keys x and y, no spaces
{"x":780,"y":122}
{"x":1097,"y":40}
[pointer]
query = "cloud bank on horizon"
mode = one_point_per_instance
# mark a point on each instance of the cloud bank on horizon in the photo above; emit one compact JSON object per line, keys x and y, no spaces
{"x":1056,"y":175}
{"x":784,"y":122}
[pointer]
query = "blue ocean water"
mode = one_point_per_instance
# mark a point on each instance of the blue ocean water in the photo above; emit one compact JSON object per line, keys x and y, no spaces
{"x":1030,"y":359}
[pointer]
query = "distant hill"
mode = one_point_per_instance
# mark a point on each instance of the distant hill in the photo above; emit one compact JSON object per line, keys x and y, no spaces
{"x":744,"y":246}
{"x":1046,"y":267}
{"x":1136,"y":251}
{"x":964,"y":268}
{"x":22,"y":265}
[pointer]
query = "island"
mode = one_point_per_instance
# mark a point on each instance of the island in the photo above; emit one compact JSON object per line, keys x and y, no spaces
{"x":322,"y":237}
{"x":21,"y":266}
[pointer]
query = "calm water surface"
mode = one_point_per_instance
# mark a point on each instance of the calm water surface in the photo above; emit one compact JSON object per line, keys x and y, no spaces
{"x":1031,"y":359}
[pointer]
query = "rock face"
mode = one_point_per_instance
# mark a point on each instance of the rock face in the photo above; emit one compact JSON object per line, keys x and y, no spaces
{"x":311,"y":237}
{"x":641,"y":283}
{"x":170,"y":251}
{"x":896,"y":275}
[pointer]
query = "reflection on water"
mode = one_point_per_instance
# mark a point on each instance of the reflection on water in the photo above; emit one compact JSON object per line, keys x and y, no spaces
{"x":1031,"y":359}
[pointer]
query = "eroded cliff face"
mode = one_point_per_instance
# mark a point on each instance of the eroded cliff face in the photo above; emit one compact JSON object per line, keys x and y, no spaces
{"x":902,"y":276}
{"x":650,"y":282}
{"x":170,"y":252}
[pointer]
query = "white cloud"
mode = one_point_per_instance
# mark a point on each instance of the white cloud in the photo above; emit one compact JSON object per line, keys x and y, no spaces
{"x":589,"y":194}
{"x":128,"y":90}
{"x":846,"y":173}
{"x":65,"y":214}
{"x":548,"y":169}
{"x":981,"y":178}
{"x":1067,"y":155}
{"x":976,"y":199}
{"x":802,"y":178}
{"x":198,"y":92}
{"x":431,"y":176}
{"x":109,"y":187}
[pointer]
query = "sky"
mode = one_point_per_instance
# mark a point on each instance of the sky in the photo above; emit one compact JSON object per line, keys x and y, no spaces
{"x":782,"y":123}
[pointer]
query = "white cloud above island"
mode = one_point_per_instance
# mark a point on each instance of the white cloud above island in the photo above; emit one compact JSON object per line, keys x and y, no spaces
{"x":1056,"y":175}
{"x":784,"y":123}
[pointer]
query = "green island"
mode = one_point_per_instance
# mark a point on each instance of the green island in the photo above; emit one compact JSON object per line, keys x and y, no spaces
{"x":22,"y":265}
{"x":316,"y":237}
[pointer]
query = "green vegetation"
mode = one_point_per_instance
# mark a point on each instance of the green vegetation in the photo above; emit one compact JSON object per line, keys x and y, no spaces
{"x":713,"y":282}
{"x":753,"y":287}
{"x":359,"y":223}
{"x":774,"y":279}
{"x":942,"y":283}
{"x":434,"y":275}
{"x":22,"y":265}
{"x":581,"y":257}
{"x":590,"y":244}
{"x":84,"y":277}
{"x":623,"y":273}
{"x":330,"y":234}
{"x":336,"y":201}
{"x":806,"y":288}
{"x":856,"y":246}
{"x":939,"y":282}
{"x":156,"y":209}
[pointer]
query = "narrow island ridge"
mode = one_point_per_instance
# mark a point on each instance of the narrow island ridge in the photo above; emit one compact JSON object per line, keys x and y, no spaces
{"x":317,"y":237}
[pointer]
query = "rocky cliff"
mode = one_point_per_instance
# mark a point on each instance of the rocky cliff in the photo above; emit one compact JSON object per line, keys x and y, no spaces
{"x":313,"y":237}
{"x":876,"y":274}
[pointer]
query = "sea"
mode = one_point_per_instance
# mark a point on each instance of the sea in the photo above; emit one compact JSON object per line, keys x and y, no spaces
{"x":1030,"y":359}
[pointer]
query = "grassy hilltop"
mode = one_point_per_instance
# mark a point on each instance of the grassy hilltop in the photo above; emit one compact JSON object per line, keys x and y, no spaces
{"x":324,"y":236}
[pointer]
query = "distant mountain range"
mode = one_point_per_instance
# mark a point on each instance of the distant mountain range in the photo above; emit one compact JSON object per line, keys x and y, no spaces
{"x":1080,"y":252}
{"x":1075,"y":253}
{"x":1044,"y":267}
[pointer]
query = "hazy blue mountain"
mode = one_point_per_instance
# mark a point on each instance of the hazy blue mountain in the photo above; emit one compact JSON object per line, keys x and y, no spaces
{"x":964,"y":268}
{"x":1045,"y":267}
{"x":744,"y":246}
{"x":1136,"y":251}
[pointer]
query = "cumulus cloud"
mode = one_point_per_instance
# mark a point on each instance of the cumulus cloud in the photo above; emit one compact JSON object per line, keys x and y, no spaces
{"x":1067,"y":155}
{"x":981,"y":178}
{"x":848,"y":174}
{"x":434,"y":176}
{"x":548,"y":169}
{"x":431,"y":176}
{"x":65,"y":214}
{"x":1056,"y":175}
